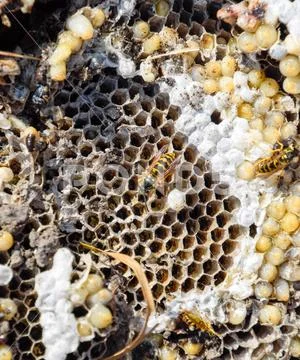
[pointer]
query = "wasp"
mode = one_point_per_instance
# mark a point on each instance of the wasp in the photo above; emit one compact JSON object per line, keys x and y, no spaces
{"x":196,"y":328}
{"x":283,"y":155}
{"x":161,"y":167}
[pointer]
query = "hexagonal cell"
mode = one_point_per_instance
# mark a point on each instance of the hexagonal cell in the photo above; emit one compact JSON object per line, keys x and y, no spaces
{"x":130,"y":154}
{"x":213,"y":207}
{"x":189,"y":242}
{"x":188,"y":285}
{"x":225,"y":262}
{"x":223,"y":218}
{"x":157,"y":291}
{"x":162,"y":276}
{"x":229,"y":246}
{"x":234,"y":231}
{"x":162,"y":101}
{"x":174,"y":112}
{"x":172,"y":287}
{"x":195,"y":270}
{"x":192,"y":227}
{"x":162,"y":232}
{"x":167,"y":129}
{"x":141,"y":118}
{"x":131,"y":109}
{"x":91,"y":219}
{"x":205,"y":196}
{"x":210,"y":267}
{"x":231,"y":203}
{"x":197,"y":211}
{"x":173,"y":245}
{"x":136,"y":140}
{"x":205,"y":223}
{"x":123,"y":213}
{"x":177,"y":229}
{"x":157,"y":247}
{"x":191,"y":198}
{"x":179,"y":141}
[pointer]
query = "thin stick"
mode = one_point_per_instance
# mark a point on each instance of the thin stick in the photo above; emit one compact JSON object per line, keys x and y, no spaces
{"x":11,"y":54}
{"x":136,"y":267}
{"x":174,"y":52}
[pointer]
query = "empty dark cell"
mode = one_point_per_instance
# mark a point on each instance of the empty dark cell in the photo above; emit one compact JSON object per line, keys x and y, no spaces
{"x":162,"y":101}
{"x":205,"y":223}
{"x":119,"y":97}
{"x":85,"y":107}
{"x":229,"y":246}
{"x":80,"y":121}
{"x":151,"y":89}
{"x":133,"y":91}
{"x":27,"y":274}
{"x":136,"y":140}
{"x":74,"y":96}
{"x":145,"y":235}
{"x":199,"y":253}
{"x":212,"y":208}
{"x":152,"y":220}
{"x":108,"y":86}
{"x":188,"y":285}
{"x":177,"y":5}
{"x":192,"y":199}
{"x":219,"y":277}
{"x":185,"y":17}
{"x":24,"y":343}
{"x":129,"y":239}
{"x":127,"y":251}
{"x":92,"y":220}
{"x":102,"y":232}
{"x":188,"y":5}
{"x":157,"y":119}
{"x":156,"y":23}
{"x":130,"y":154}
{"x":198,"y":16}
{"x":231,"y":203}
{"x":216,"y":117}
{"x":131,"y":109}
{"x":240,"y":352}
{"x":138,"y":209}
{"x":197,"y":211}
{"x":194,"y":270}
{"x":192,"y":227}
{"x":222,"y":219}
{"x":71,"y":111}
{"x":205,"y":195}
{"x":147,"y":105}
{"x":139,"y":251}
{"x":36,"y":332}
{"x":201,"y":237}
{"x":141,"y":118}
{"x":133,"y":183}
{"x":177,"y":271}
{"x":190,"y":154}
{"x":167,"y":130}
{"x":225,"y":262}
{"x":169,"y":218}
{"x":172,"y":286}
{"x":183,"y":215}
{"x":215,"y":250}
{"x":172,"y":20}
{"x":210,"y":267}
{"x":183,"y":29}
{"x":162,"y":275}
{"x":179,"y":141}
{"x":253,"y":230}
{"x":234,"y":231}
{"x":161,"y":232}
{"x":156,"y":247}
{"x":120,"y":141}
{"x":204,"y":281}
{"x":196,"y":29}
{"x":90,"y":134}
{"x":101,"y":101}
{"x":210,"y":179}
{"x":188,"y":242}
{"x":157,"y":291}
{"x":86,"y":150}
{"x":217,"y":234}
{"x":177,"y":230}
{"x":61,"y":98}
{"x":172,"y":245}
{"x":45,"y":219}
{"x":146,"y":11}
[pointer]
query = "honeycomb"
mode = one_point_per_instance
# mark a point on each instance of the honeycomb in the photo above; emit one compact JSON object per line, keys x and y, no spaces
{"x":106,"y":130}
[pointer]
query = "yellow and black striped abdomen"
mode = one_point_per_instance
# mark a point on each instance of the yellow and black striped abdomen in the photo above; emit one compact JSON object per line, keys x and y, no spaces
{"x":162,"y":164}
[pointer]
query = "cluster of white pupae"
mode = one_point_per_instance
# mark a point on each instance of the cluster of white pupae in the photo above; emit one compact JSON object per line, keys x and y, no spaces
{"x":95,"y":296}
{"x":280,"y":244}
{"x":8,"y":310}
{"x":80,"y":27}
